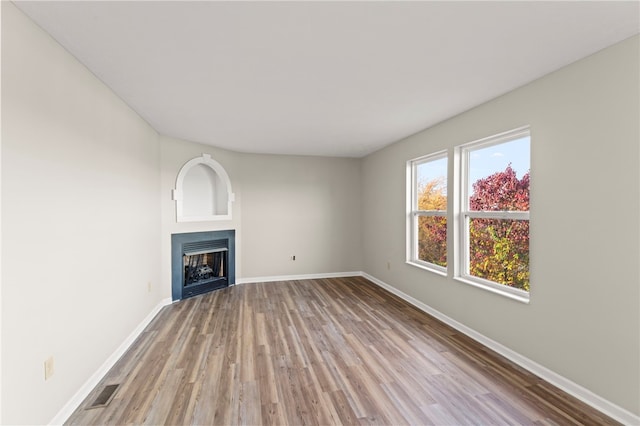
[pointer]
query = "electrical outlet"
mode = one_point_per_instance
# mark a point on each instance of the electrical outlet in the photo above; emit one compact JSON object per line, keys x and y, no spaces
{"x":388,"y":265}
{"x":48,"y":368}
{"x":149,"y":286}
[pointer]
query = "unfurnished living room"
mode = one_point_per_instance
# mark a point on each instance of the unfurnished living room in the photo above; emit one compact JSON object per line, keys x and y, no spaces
{"x":287,"y":213}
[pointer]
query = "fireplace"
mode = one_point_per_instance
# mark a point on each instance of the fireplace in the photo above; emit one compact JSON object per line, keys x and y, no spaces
{"x":201,"y":262}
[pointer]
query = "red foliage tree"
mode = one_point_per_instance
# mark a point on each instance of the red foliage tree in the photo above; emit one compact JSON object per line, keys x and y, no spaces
{"x":499,"y":248}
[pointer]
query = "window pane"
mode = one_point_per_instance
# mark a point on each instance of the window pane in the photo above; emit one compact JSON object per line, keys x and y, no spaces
{"x":431,"y":184}
{"x":432,"y":239}
{"x":499,"y":177}
{"x":499,"y":251}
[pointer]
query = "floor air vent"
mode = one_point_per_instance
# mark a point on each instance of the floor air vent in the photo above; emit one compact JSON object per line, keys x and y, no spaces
{"x":105,"y":397}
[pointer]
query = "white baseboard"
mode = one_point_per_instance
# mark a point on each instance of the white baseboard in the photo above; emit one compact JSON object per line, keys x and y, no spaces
{"x":93,"y":381}
{"x":297,"y":277}
{"x":606,"y":407}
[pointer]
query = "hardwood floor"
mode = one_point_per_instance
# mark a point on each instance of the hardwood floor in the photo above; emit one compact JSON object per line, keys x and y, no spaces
{"x":327,"y":351}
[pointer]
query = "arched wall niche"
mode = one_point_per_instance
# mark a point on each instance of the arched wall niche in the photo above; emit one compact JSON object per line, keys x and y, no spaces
{"x":203,"y":191}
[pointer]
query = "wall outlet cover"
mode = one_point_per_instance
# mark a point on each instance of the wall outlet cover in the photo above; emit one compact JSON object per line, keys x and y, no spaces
{"x":48,"y":368}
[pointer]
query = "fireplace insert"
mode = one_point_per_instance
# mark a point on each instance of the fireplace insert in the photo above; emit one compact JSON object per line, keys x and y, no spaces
{"x":202,"y":262}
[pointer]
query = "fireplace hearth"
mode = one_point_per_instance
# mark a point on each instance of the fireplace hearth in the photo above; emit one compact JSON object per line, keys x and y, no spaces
{"x":202,"y":262}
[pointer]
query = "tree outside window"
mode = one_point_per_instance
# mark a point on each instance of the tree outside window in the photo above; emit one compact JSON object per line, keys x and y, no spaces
{"x":496,"y":211}
{"x":493,"y":183}
{"x":429,"y":211}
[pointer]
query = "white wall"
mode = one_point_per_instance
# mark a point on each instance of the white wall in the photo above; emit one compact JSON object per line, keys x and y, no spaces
{"x":80,"y":221}
{"x":583,"y":320}
{"x":284,"y":205}
{"x":303,"y":206}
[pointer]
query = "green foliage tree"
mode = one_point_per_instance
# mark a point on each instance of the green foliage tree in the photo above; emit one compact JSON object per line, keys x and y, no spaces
{"x":432,"y":230}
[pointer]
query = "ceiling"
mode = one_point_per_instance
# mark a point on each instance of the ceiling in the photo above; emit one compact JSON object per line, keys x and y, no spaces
{"x":322,"y":78}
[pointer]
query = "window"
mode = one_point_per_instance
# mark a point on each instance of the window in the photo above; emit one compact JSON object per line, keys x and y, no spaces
{"x":428,"y":212}
{"x":494,"y":250}
{"x":488,"y":214}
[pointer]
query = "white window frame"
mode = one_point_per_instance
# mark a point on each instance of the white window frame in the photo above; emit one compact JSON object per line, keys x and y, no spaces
{"x":461,"y":250}
{"x":413,"y":213}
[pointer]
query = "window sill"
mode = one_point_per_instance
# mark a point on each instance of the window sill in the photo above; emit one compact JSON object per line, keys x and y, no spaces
{"x":517,"y":297}
{"x":426,"y":267}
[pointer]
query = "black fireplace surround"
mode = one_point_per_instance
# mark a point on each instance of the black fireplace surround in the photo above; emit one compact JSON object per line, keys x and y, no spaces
{"x":202,"y":262}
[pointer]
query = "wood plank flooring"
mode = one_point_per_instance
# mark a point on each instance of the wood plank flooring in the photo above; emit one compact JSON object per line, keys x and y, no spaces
{"x":319,"y":352}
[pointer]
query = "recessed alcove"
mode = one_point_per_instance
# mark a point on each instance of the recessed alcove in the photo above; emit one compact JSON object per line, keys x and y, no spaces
{"x":203,"y":191}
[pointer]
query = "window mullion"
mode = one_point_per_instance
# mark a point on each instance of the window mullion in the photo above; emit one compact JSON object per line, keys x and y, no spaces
{"x":430,"y":213}
{"x":512,"y":215}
